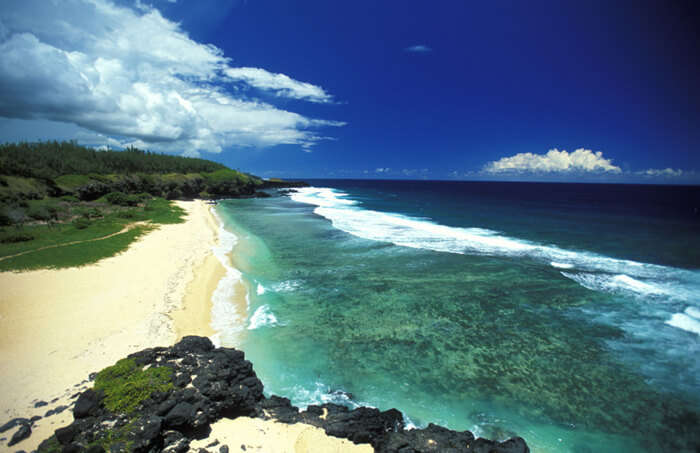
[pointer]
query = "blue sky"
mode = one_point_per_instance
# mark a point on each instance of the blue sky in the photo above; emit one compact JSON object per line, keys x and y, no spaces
{"x":573,"y":91}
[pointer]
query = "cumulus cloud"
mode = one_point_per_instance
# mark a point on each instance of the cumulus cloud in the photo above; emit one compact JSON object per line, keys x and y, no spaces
{"x":555,"y":161}
{"x":133,"y":76}
{"x":419,"y":48}
{"x":382,"y":170}
{"x":281,"y":84}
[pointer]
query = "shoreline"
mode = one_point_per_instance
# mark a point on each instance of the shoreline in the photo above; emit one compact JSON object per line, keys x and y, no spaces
{"x":59,"y":326}
{"x":229,"y":298}
{"x":194,"y":317}
{"x":221,"y":285}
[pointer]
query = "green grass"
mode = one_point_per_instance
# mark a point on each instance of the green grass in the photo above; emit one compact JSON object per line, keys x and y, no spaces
{"x":126,"y":385}
{"x":74,"y":255}
{"x":48,"y":236}
{"x":62,"y":254}
{"x":21,"y":188}
{"x":164,"y":212}
{"x":71,"y":182}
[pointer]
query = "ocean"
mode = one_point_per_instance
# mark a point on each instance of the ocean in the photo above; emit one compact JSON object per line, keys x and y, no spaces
{"x":567,"y":314}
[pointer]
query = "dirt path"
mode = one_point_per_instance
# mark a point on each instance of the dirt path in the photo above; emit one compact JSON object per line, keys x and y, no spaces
{"x":129,"y":227}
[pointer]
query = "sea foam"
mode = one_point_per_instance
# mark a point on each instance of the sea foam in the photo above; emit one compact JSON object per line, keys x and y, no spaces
{"x":347,"y":215}
{"x":226,"y":320}
{"x":684,"y":322}
{"x":661,"y":286}
{"x":689,"y":320}
{"x":320,"y":393}
{"x":618,"y":284}
{"x":263,"y":317}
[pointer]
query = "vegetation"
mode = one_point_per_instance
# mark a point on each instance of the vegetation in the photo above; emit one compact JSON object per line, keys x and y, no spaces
{"x":62,"y":204}
{"x":87,"y":233}
{"x":126,"y":385}
{"x":35,"y":171}
{"x":49,"y":160}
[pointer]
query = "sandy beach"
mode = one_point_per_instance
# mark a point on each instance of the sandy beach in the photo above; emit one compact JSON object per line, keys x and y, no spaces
{"x":268,"y":436}
{"x":59,"y":326}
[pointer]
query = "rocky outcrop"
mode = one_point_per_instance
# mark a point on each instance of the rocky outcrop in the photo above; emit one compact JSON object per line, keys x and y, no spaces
{"x":198,"y":384}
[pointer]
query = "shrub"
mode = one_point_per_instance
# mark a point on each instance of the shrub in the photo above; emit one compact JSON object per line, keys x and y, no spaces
{"x":122,"y":199}
{"x":127,"y":214}
{"x":81,"y":223}
{"x":92,"y":191}
{"x":70,"y":198}
{"x":174,"y":194}
{"x":5,"y":219}
{"x":16,"y":216}
{"x":15,"y":237}
{"x":39,"y":213}
{"x":118,"y":198}
{"x":92,"y":213}
{"x":134,"y":200}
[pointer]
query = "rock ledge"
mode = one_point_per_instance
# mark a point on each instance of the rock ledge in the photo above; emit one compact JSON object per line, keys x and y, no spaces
{"x":205,"y":384}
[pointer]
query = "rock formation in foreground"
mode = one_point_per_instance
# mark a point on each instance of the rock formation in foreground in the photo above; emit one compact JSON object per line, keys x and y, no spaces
{"x":159,"y":399}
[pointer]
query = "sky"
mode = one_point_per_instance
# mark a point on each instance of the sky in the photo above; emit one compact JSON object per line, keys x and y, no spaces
{"x":592,"y":91}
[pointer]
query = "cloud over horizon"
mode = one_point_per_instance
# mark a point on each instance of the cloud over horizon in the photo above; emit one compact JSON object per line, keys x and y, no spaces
{"x":133,"y":77}
{"x":419,"y":48}
{"x":555,"y":161}
{"x":666,"y":172}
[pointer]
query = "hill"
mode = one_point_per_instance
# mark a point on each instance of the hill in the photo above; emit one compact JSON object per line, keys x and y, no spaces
{"x":61,"y":194}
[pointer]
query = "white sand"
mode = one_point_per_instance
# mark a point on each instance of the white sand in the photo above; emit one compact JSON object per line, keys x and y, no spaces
{"x":58,"y":326}
{"x":274,"y":437}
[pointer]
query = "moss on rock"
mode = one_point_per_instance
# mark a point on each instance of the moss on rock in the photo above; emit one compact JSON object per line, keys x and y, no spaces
{"x":126,"y":385}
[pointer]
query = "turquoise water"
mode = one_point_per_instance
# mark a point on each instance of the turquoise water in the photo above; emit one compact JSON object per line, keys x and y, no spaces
{"x":548,"y":312}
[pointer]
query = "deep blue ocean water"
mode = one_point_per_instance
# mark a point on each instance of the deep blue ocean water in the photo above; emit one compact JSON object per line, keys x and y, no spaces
{"x":568,"y":314}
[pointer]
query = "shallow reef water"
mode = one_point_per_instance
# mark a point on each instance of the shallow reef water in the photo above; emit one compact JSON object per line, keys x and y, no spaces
{"x":469,"y":308}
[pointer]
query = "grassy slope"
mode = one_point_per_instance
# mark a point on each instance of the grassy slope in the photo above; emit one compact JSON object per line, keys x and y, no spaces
{"x":156,"y":211}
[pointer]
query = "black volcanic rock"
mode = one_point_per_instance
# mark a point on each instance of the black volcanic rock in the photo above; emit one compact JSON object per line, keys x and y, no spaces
{"x":88,"y":403}
{"x":189,"y":345}
{"x":12,"y":423}
{"x":147,"y":431}
{"x":180,"y":415}
{"x":207,"y":384}
{"x":66,"y":434}
{"x":24,"y":431}
{"x":514,"y":445}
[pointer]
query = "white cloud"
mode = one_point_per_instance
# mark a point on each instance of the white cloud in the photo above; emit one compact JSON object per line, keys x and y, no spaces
{"x":420,"y":48}
{"x":133,"y":77}
{"x":281,"y":84}
{"x":382,"y":170}
{"x":666,"y":172}
{"x":555,"y":161}
{"x":415,"y":171}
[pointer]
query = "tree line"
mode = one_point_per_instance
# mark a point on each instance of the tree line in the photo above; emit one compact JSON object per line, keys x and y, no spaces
{"x":47,"y":160}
